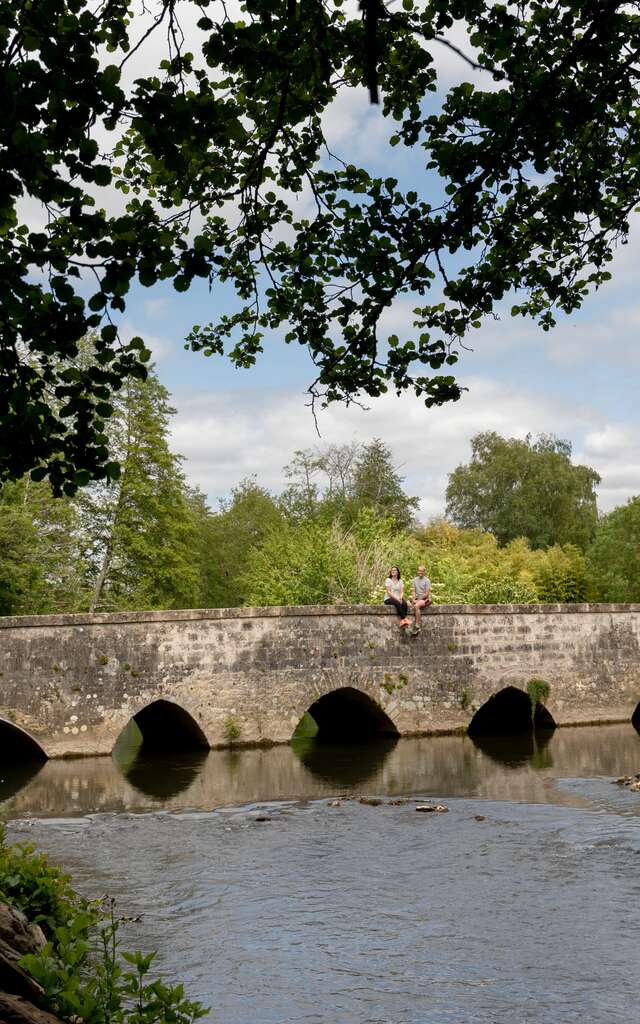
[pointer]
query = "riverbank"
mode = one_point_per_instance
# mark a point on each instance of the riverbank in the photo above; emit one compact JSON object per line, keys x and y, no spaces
{"x":60,"y":956}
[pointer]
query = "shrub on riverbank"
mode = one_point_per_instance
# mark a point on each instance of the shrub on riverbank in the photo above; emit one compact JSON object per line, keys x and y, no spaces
{"x":84,"y":974}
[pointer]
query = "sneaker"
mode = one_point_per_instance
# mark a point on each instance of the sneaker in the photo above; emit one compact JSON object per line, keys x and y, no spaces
{"x":415,"y":630}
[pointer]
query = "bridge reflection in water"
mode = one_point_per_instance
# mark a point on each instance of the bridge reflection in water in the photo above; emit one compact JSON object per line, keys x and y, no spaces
{"x":515,"y":768}
{"x":343,"y":743}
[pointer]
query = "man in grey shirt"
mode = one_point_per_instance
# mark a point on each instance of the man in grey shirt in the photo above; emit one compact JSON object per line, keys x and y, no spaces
{"x":421,"y":596}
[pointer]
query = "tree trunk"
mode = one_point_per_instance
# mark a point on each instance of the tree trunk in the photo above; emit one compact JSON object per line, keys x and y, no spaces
{"x":104,"y":571}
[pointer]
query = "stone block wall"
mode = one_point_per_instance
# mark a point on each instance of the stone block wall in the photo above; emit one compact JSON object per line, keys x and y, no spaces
{"x":72,"y":682}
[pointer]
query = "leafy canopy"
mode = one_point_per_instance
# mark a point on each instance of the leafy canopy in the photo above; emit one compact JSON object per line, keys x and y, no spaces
{"x":338,"y":481}
{"x":538,"y":164}
{"x":614,"y":557}
{"x":531,"y":489}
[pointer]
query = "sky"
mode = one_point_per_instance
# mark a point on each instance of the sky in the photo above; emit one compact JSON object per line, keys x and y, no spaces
{"x":579,"y":381}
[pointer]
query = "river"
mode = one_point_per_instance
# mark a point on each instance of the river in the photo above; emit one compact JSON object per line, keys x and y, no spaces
{"x":518,"y":905}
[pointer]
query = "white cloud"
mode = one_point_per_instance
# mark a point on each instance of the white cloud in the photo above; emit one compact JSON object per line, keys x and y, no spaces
{"x":155,"y":307}
{"x":614,"y":451}
{"x":608,"y":441}
{"x":232,"y":434}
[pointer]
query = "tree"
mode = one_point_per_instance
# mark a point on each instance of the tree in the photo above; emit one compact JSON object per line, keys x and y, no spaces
{"x":245,"y":519}
{"x":20,"y":573}
{"x":539,"y":170}
{"x":378,"y":485}
{"x":300,"y":500}
{"x":529,"y":489}
{"x":614,"y":557}
{"x":139,"y":534}
{"x":322,"y":482}
{"x":40,"y":570}
{"x":338,"y":481}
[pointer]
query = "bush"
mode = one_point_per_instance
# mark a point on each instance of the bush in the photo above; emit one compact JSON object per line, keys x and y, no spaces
{"x":320,"y":563}
{"x":41,"y":890}
{"x":85,"y":977}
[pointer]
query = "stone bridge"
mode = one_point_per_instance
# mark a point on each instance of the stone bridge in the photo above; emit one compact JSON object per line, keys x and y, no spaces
{"x":69,"y":684}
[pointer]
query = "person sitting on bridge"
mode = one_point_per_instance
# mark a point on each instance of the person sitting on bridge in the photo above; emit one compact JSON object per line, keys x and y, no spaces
{"x":420,"y":596}
{"x":395,"y":595}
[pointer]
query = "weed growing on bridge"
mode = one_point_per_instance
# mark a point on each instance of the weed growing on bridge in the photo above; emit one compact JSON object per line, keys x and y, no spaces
{"x":231,"y":729}
{"x":465,"y":700}
{"x":538,"y":691}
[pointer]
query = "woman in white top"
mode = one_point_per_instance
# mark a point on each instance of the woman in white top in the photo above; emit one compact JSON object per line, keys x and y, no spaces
{"x":395,"y":594}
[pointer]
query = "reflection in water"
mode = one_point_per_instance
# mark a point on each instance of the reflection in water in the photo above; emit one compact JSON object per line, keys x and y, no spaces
{"x":517,"y":750}
{"x":162,"y":778}
{"x":14,"y":776}
{"x":343,"y":764}
{"x":356,"y":914}
{"x":158,"y":775}
{"x":516,"y":768}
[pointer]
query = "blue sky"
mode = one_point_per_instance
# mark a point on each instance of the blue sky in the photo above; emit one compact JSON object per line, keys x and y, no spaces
{"x":579,"y":381}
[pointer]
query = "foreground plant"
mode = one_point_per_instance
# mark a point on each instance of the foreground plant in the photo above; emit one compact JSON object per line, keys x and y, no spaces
{"x":84,"y":974}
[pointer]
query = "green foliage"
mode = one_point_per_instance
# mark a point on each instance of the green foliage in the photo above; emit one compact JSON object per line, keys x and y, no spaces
{"x":41,"y":890}
{"x":20,"y":573}
{"x":528,"y":206}
{"x":240,"y":526}
{"x":231,"y":729}
{"x":81,"y":969}
{"x":317,"y":564}
{"x":82,"y":983}
{"x":306,"y":728}
{"x":149,"y":541}
{"x":138,"y":541}
{"x":538,"y":691}
{"x":40,"y":568}
{"x":614,"y":557}
{"x":515,"y":488}
{"x":294,"y":565}
{"x":139,"y":533}
{"x":337,"y":482}
{"x":491,"y":589}
{"x":562,"y":576}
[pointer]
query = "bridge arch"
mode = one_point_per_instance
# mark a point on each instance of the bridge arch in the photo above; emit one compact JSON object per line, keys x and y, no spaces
{"x":164,"y":726}
{"x":509,"y":711}
{"x":635,"y":718}
{"x":18,"y":745}
{"x":347,"y":715}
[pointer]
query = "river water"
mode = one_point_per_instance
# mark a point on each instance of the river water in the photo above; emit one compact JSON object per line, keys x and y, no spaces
{"x":519,"y":904}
